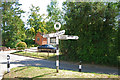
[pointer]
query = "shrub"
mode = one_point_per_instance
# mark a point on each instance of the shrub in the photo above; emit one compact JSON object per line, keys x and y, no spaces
{"x":21,"y":45}
{"x":12,"y":44}
{"x":17,"y":41}
{"x":29,"y":41}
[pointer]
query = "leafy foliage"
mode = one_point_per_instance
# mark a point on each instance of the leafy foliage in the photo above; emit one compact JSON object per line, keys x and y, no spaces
{"x":12,"y":44}
{"x":29,"y":42}
{"x":54,"y":15}
{"x":12,"y":25}
{"x":95,"y":24}
{"x":21,"y":45}
{"x":36,"y":21}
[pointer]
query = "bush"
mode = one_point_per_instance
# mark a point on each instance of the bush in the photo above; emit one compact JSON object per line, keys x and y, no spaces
{"x":29,"y":42}
{"x":12,"y":44}
{"x":21,"y":45}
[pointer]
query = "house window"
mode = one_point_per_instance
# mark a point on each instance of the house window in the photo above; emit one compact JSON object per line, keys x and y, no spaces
{"x":38,"y":38}
{"x":53,"y":40}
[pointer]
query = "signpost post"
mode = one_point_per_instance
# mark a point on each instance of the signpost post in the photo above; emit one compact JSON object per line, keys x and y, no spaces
{"x":59,"y":35}
{"x":57,"y":43}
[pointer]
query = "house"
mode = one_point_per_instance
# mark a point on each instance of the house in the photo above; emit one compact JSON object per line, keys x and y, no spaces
{"x":39,"y":39}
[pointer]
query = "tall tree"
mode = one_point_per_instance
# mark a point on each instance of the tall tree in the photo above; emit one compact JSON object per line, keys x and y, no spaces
{"x":94,"y":23}
{"x":36,"y":21}
{"x":13,"y":26}
{"x":54,"y":15}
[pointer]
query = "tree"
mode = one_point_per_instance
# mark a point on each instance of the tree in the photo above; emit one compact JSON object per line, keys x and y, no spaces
{"x":13,"y":26}
{"x":94,"y":23}
{"x":54,"y":15}
{"x":36,"y":21}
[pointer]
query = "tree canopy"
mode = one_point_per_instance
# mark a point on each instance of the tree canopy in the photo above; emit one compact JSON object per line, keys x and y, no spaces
{"x":97,"y":28}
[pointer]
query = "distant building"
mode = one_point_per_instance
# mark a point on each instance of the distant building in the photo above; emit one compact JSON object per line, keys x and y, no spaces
{"x":42,"y":41}
{"x":39,"y":39}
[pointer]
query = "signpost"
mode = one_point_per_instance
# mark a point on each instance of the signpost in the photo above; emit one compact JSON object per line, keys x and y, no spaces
{"x":54,"y":34}
{"x":59,"y":35}
{"x":66,"y":37}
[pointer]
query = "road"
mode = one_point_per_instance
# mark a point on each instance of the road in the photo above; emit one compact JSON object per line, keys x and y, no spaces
{"x":17,"y":61}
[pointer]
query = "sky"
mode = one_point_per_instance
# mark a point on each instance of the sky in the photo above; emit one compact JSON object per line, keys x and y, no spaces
{"x":26,"y":4}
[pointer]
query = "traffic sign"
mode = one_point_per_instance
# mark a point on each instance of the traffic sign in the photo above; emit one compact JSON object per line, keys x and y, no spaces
{"x":65,"y":37}
{"x":54,"y":34}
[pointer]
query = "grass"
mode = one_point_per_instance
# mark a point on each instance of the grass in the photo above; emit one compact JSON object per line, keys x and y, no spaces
{"x":43,"y":55}
{"x":50,"y":56}
{"x":42,"y":72}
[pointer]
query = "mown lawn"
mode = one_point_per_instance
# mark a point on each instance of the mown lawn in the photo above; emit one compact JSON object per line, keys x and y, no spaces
{"x":42,"y":72}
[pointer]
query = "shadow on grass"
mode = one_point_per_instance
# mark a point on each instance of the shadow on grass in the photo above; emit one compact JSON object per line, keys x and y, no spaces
{"x":43,"y":75}
{"x":22,"y":69}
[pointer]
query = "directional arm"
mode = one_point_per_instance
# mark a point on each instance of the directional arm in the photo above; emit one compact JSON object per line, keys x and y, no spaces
{"x":54,"y":34}
{"x":66,"y":37}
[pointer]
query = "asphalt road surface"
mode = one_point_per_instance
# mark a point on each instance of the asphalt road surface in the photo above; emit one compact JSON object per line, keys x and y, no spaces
{"x":17,"y":61}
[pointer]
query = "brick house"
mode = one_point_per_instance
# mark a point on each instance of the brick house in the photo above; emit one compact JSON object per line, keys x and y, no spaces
{"x":39,"y":39}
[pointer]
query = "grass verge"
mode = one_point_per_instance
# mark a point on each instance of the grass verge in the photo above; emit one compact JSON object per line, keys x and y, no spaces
{"x":40,"y":55}
{"x":42,"y":72}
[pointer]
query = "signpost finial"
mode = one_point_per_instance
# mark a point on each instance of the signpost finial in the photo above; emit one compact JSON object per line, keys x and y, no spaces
{"x":55,"y":26}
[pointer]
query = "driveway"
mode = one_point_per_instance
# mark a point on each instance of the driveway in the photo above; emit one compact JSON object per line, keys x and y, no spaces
{"x":17,"y":61}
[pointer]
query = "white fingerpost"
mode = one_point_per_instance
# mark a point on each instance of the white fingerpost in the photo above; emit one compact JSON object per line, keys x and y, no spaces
{"x":59,"y":35}
{"x":8,"y":63}
{"x":48,"y":40}
{"x":57,"y":43}
{"x":57,"y":54}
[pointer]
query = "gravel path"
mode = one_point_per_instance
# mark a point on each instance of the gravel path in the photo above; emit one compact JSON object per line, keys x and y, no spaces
{"x":16,"y":61}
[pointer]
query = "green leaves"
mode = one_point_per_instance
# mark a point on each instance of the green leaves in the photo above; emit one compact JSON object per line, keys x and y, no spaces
{"x":13,"y":26}
{"x":36,"y":22}
{"x":54,"y":15}
{"x":94,"y":23}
